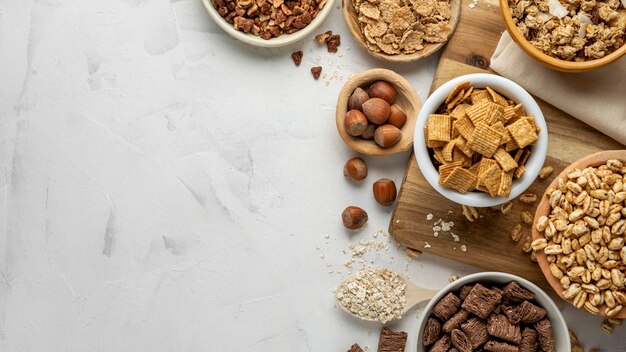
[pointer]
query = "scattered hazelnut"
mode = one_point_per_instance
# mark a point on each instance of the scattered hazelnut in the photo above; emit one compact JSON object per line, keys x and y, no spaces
{"x":355,"y":123}
{"x":396,"y":116}
{"x":387,"y":135}
{"x":353,"y":217}
{"x":376,"y":110}
{"x":369,"y":132}
{"x":383,"y":90}
{"x":385,"y":191}
{"x":355,"y":169}
{"x":358,"y":97}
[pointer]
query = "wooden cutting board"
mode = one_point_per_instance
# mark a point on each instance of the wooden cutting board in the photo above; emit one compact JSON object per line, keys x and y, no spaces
{"x":487,"y":241}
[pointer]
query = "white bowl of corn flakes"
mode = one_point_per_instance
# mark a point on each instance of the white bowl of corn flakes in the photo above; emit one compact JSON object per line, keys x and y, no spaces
{"x":480,"y":140}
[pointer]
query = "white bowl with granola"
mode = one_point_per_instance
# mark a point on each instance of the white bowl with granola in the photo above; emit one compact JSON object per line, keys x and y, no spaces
{"x":480,"y":140}
{"x":268,"y":23}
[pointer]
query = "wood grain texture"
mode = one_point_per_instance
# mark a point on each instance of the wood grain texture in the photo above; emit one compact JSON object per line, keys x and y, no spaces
{"x":488,"y":242}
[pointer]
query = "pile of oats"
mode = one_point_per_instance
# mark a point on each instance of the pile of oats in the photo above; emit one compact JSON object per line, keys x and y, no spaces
{"x":373,"y":294}
{"x":572,"y":30}
{"x":403,"y":26}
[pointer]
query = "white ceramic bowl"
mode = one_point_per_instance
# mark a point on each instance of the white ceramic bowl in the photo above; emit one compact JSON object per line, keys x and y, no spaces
{"x":561,"y":334}
{"x":511,"y":90}
{"x":282,"y":40}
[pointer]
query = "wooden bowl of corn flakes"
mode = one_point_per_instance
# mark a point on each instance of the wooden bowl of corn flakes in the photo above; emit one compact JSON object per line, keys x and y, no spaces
{"x":588,"y":43}
{"x":392,"y":31}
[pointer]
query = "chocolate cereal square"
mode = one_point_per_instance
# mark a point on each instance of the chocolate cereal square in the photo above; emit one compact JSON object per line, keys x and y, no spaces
{"x":495,"y":346}
{"x":481,"y":301}
{"x":546,"y":336}
{"x":355,"y":348}
{"x":476,"y":331}
{"x":456,"y":321}
{"x":530,"y":341}
{"x":391,"y":341}
{"x":460,"y":341}
{"x":499,"y":326}
{"x":516,"y":293}
{"x":447,"y":306}
{"x":442,"y":345}
{"x":432,"y":332}
{"x":531,"y":313}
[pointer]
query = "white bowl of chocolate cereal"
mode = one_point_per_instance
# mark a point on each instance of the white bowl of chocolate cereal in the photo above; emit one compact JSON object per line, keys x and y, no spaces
{"x":268,"y":23}
{"x":492,"y":311}
{"x":480,"y":140}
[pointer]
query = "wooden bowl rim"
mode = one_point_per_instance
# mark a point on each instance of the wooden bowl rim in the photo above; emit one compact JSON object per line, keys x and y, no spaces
{"x":543,"y":208}
{"x":547,"y":60}
{"x":369,"y":147}
{"x":400,"y":58}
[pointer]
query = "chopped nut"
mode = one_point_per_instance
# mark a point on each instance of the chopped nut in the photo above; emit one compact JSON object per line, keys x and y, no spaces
{"x":320,"y":39}
{"x":506,"y":208}
{"x":297,"y":57}
{"x":316,"y":71}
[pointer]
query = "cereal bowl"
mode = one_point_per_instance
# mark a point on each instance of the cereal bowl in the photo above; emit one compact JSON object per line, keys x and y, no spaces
{"x":544,"y":209}
{"x":282,"y":40}
{"x":507,"y":88}
{"x":547,"y":60}
{"x":559,"y":328}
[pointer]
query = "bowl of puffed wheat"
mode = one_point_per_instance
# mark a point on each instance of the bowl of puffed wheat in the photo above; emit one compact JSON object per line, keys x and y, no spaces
{"x":579,"y":234}
{"x":492,"y":311}
{"x":570,"y":36}
{"x":480,"y":140}
{"x":268,"y":23}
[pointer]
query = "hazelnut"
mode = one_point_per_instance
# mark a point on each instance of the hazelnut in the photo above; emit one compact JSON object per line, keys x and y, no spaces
{"x":383,"y":90}
{"x":369,"y":132}
{"x":376,"y":110}
{"x":355,"y":123}
{"x":353,"y":217}
{"x":355,"y":169}
{"x":396,"y":117}
{"x":385,"y":191}
{"x":387,"y":135}
{"x":358,"y":97}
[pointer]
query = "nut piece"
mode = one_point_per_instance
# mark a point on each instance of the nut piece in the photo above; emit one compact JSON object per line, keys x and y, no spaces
{"x":516,"y":233}
{"x":353,"y":217}
{"x":316,"y":71}
{"x":358,"y":97}
{"x":369,"y":131}
{"x":355,"y":169}
{"x":546,"y":171}
{"x":385,"y":191}
{"x":387,"y":135}
{"x":506,"y":208}
{"x":376,"y":110}
{"x":297,"y":57}
{"x":383,"y":90}
{"x":470,"y":213}
{"x":397,"y":117}
{"x":355,"y":123}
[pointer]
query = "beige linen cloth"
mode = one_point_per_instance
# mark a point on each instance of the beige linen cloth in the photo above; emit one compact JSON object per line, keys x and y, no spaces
{"x":597,"y":98}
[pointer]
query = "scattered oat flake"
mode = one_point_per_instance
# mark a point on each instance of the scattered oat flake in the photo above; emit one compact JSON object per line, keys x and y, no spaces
{"x":427,"y":245}
{"x":429,"y":217}
{"x":456,"y":237}
{"x":464,"y":248}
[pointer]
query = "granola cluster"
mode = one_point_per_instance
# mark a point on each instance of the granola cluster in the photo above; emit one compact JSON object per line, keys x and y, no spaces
{"x":403,"y":26}
{"x":571,"y":30}
{"x":269,"y":18}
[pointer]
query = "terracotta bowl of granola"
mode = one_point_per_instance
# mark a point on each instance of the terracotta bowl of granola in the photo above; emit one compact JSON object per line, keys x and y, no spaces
{"x":282,"y":36}
{"x":406,"y":99}
{"x":461,"y":289}
{"x":544,"y":209}
{"x":411,"y":44}
{"x":572,"y":51}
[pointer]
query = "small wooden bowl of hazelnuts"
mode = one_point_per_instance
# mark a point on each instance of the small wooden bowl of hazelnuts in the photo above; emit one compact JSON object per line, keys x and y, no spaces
{"x":376,"y":113}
